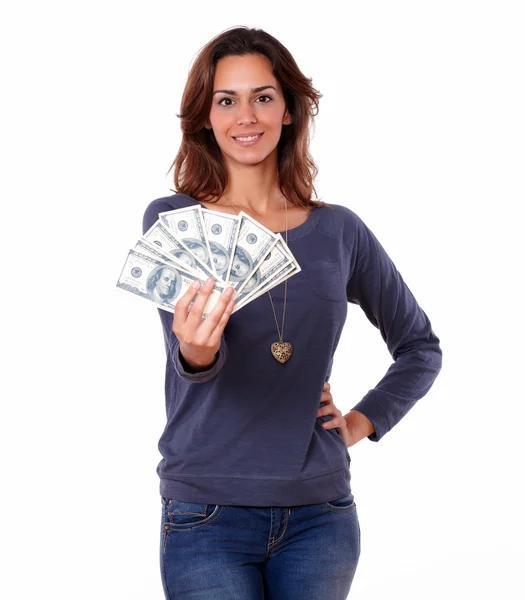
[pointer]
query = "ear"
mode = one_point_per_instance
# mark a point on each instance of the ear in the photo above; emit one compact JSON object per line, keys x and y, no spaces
{"x":287,"y":119}
{"x":207,"y":125}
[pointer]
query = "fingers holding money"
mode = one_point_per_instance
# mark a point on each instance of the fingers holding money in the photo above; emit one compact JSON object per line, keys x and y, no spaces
{"x":188,"y":324}
{"x":196,"y":346}
{"x":196,"y":312}
{"x":181,"y":308}
{"x":218,"y":317}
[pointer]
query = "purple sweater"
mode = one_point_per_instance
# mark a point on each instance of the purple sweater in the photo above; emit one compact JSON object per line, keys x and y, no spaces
{"x":245,"y":431}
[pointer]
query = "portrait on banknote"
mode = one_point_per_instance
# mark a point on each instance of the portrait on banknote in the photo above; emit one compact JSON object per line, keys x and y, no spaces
{"x":197,"y":248}
{"x":163,"y":284}
{"x":241,"y":266}
{"x":220,"y":257}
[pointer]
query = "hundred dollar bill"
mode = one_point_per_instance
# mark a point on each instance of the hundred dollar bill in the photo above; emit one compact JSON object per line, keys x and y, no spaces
{"x":253,"y":244}
{"x":288,"y":271}
{"x":164,"y":239}
{"x":292,"y":268}
{"x":272,"y":265}
{"x":149,"y":249}
{"x":222,"y":230}
{"x":161,"y":282}
{"x":187,"y":225}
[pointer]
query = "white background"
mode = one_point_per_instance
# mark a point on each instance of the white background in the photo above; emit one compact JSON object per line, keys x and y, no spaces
{"x":420,"y":131}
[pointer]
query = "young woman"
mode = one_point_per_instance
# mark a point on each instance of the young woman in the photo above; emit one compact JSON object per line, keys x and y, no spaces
{"x":254,"y":480}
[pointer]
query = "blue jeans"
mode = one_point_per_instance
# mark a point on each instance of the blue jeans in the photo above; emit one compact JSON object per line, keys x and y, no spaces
{"x":223,"y":552}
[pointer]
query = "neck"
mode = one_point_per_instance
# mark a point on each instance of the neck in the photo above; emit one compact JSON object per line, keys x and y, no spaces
{"x":262,"y":206}
{"x":254,"y":189}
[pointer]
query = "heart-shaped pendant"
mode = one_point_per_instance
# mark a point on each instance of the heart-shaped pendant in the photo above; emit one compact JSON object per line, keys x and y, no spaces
{"x":281,"y":351}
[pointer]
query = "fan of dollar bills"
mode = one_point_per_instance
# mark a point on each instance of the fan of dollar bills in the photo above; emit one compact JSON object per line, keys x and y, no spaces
{"x":198,"y":243}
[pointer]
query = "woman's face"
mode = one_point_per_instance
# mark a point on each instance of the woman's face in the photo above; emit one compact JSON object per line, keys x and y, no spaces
{"x":239,"y":110}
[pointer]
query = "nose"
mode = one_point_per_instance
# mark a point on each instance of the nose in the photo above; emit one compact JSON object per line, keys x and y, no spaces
{"x":245,"y":114}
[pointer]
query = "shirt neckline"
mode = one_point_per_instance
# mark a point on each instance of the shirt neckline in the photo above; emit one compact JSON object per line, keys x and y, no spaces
{"x":294,"y":233}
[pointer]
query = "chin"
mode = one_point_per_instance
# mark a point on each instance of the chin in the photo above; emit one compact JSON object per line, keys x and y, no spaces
{"x":250,"y":158}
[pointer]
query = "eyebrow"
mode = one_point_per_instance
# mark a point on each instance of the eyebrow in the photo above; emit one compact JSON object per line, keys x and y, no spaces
{"x":254,"y":90}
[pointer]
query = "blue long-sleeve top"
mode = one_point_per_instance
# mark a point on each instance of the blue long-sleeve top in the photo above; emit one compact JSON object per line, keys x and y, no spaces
{"x":246,"y":431}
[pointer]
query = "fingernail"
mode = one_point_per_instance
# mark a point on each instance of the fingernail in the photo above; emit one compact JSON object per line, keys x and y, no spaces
{"x":196,"y":284}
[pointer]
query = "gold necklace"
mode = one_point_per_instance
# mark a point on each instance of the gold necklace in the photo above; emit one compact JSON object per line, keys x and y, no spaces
{"x":280,"y":350}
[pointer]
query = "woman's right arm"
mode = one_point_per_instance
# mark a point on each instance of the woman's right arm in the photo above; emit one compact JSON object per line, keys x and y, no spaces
{"x":197,"y":348}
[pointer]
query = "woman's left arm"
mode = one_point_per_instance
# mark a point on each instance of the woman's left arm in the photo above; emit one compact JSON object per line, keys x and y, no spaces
{"x":377,"y":287}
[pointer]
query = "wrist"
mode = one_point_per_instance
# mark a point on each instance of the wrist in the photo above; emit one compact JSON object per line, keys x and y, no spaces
{"x":194,"y":364}
{"x":358,"y":426}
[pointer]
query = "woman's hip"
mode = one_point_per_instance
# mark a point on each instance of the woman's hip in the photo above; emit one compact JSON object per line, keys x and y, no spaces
{"x":217,"y":547}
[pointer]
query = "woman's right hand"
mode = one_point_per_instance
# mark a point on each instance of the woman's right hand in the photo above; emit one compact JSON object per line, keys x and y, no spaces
{"x":200,"y":340}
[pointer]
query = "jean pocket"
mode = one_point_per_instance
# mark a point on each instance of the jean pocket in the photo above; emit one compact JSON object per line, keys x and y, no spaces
{"x":324,"y":277}
{"x":344,"y":504}
{"x":185,"y":515}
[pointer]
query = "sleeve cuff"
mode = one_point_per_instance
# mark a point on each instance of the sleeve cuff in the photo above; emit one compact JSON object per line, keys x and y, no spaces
{"x":376,"y":414}
{"x":201,"y":376}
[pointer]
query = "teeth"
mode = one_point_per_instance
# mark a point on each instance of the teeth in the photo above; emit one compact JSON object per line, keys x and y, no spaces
{"x":248,"y":139}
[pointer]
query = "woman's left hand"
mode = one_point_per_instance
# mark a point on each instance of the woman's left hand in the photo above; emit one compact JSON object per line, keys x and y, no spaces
{"x":331,"y":409}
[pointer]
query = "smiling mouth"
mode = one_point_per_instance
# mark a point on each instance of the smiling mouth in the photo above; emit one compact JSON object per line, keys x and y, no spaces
{"x":247,"y":139}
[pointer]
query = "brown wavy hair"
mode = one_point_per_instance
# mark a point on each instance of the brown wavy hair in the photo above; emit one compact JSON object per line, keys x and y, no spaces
{"x":199,"y":168}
